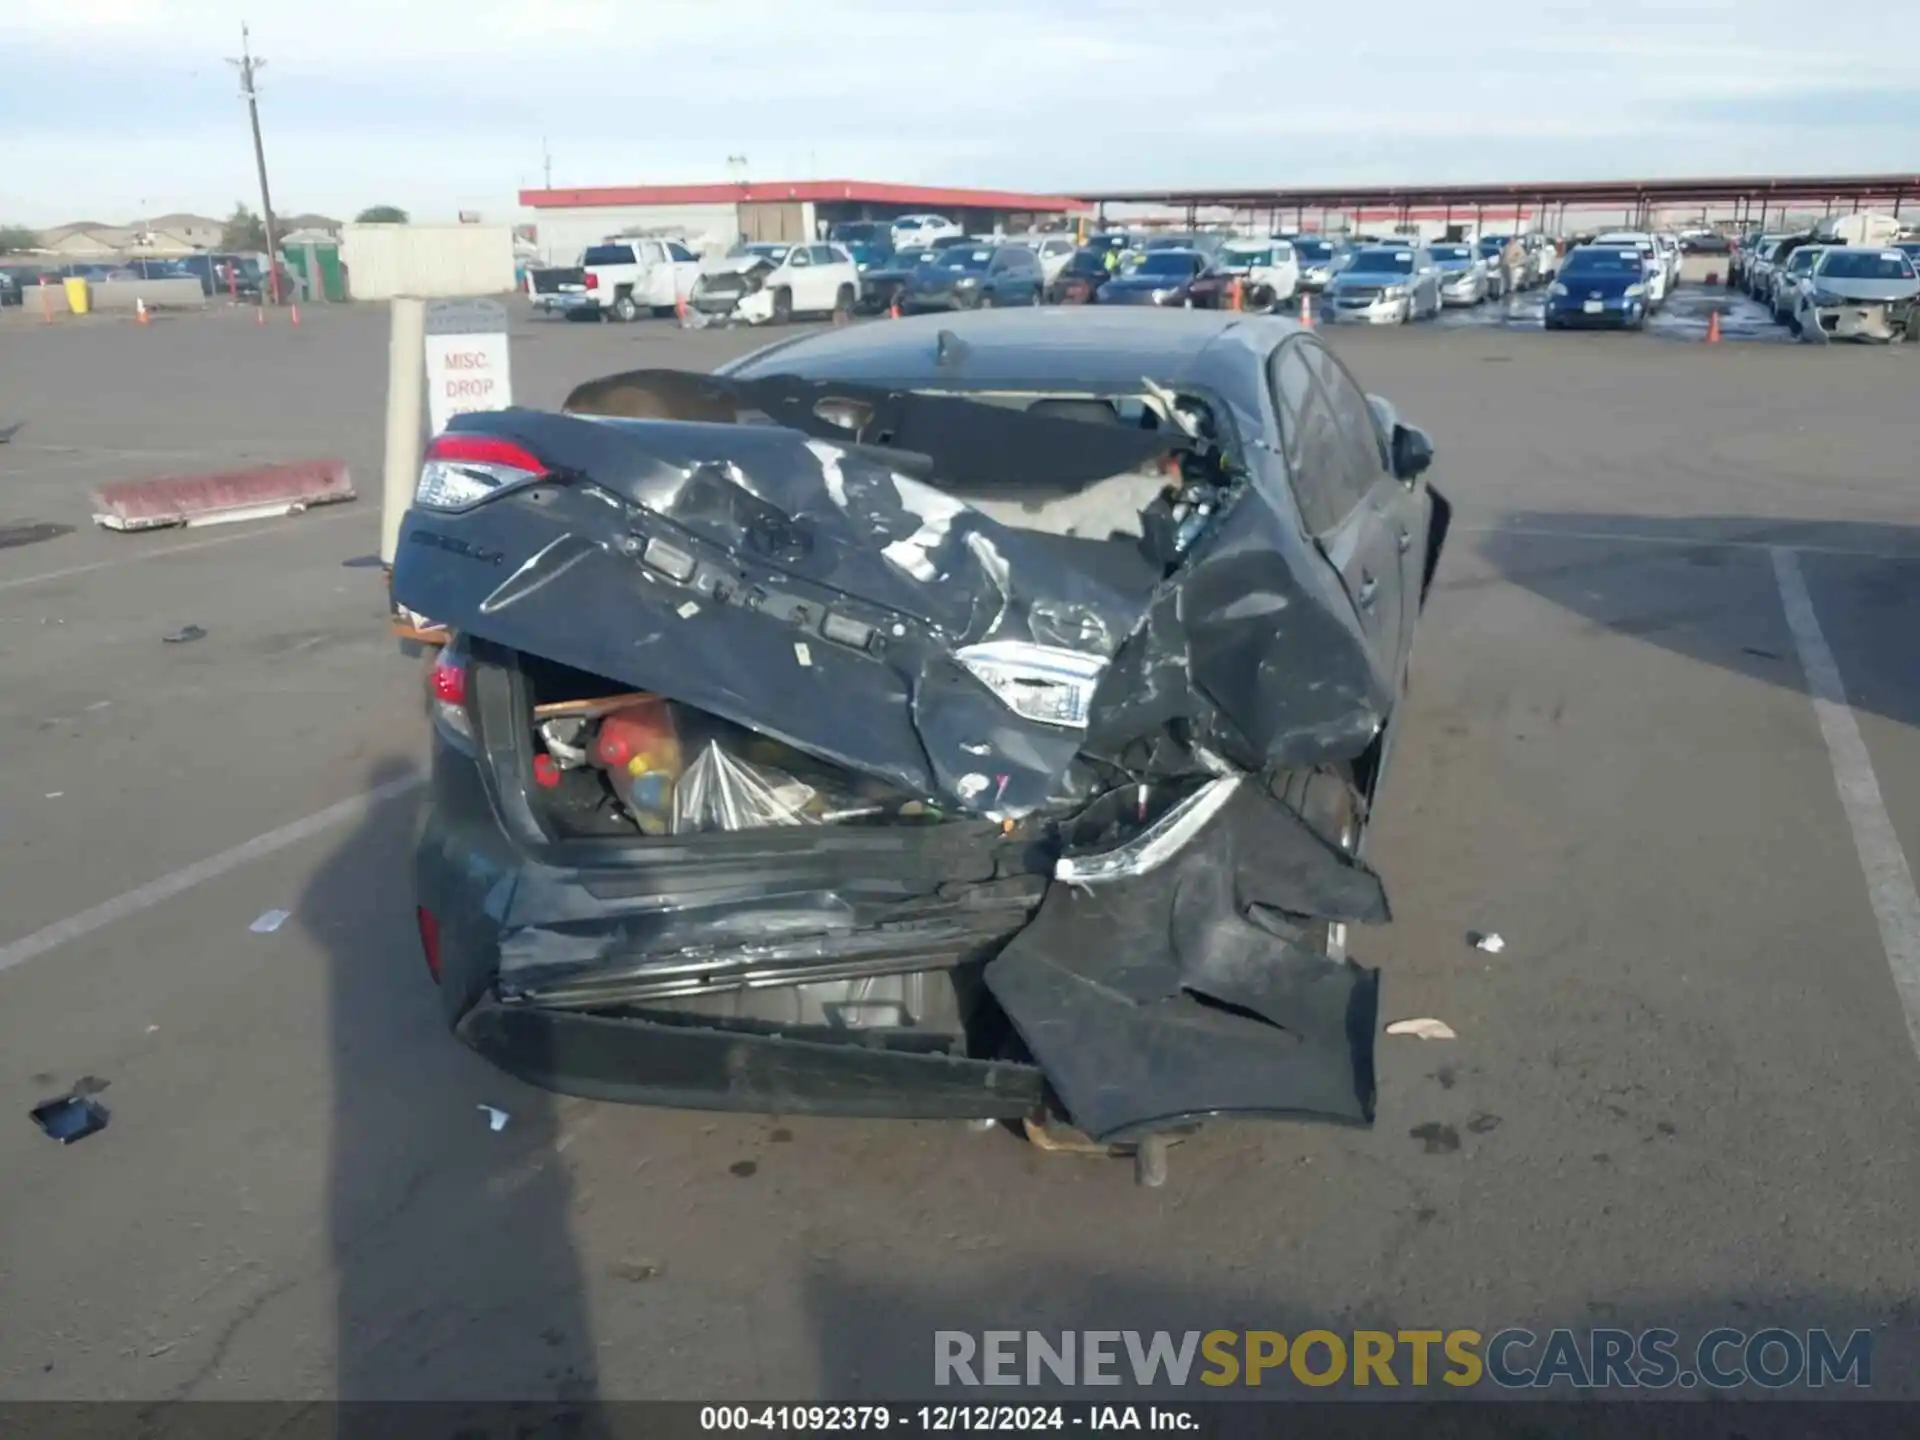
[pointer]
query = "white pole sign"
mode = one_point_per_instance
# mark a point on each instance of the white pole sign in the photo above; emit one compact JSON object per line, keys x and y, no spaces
{"x":467,"y":364}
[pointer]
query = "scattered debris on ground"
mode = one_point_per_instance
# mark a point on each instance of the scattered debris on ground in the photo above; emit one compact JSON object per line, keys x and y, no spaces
{"x":1425,"y":1028}
{"x":71,"y":1117}
{"x":184,"y":634}
{"x":496,"y":1118}
{"x":1489,"y":942}
{"x":270,"y":921}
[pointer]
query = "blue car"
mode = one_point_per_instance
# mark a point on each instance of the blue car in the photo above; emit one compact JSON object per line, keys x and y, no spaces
{"x":1599,"y":287}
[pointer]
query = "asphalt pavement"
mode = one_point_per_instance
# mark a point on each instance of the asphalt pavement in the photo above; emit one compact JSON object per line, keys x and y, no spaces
{"x":1662,"y":740}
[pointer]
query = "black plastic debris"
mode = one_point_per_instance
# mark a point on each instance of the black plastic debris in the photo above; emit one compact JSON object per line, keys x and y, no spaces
{"x":184,"y":634}
{"x":10,"y":431}
{"x":70,"y":1118}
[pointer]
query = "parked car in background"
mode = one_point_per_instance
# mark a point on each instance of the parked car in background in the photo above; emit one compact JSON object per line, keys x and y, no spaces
{"x":1772,"y":252}
{"x":1201,"y":242}
{"x":1387,"y":285}
{"x":1782,"y":295}
{"x":772,"y":283}
{"x":553,"y":288}
{"x":1601,"y":287}
{"x":1705,"y":242}
{"x":911,"y":232}
{"x":1463,"y":274}
{"x":869,"y":242}
{"x":1320,"y":259}
{"x":1489,"y":248}
{"x":1080,"y":279}
{"x":626,"y":278}
{"x":1268,"y":271}
{"x":10,"y":288}
{"x":1053,"y":252}
{"x":1182,"y":279}
{"x":1859,"y":293}
{"x":1657,"y":274}
{"x":885,"y":285}
{"x":975,"y":277}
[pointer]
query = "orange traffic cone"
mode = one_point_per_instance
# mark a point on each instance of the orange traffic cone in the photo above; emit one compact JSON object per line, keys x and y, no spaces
{"x":140,"y":311}
{"x":1235,"y":290}
{"x":1713,"y":327}
{"x":893,"y":310}
{"x":680,"y":308}
{"x":1306,"y":310}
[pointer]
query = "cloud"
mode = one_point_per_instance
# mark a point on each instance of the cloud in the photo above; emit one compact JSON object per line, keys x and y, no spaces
{"x":443,"y":104}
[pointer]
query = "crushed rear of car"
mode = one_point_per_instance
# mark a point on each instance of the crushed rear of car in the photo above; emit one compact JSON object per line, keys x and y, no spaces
{"x":877,"y":751}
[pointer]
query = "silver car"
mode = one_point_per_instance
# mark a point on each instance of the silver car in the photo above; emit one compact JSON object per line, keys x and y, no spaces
{"x":1785,"y":277}
{"x":1859,"y":293}
{"x":1463,"y":274}
{"x":1386,"y":285}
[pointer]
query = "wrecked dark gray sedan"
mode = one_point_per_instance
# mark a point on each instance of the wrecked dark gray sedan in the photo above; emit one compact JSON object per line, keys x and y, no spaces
{"x":974,"y":716}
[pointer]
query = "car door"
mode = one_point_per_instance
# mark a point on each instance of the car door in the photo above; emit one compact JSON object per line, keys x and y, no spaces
{"x":798,"y":278}
{"x":1340,"y":479}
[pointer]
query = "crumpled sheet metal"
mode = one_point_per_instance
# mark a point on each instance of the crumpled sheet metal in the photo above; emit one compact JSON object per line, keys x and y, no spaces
{"x":1182,"y":992}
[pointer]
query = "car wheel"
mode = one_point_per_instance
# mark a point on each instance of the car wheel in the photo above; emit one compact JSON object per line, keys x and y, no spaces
{"x":1034,"y":299}
{"x":783,"y":306}
{"x":843,"y":306}
{"x":625,"y":310}
{"x":986,"y":301}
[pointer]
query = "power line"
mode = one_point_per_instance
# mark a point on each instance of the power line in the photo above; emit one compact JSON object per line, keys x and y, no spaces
{"x":249,"y":67}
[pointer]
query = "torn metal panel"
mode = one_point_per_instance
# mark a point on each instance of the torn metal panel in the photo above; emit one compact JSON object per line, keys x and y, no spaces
{"x":784,"y":542}
{"x":1176,"y":992}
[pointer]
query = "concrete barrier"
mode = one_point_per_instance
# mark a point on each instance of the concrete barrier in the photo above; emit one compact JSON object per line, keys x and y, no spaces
{"x":159,"y":294}
{"x":121,"y":296}
{"x":222,"y":498}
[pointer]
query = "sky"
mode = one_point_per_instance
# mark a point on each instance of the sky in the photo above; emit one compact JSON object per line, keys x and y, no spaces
{"x":117,"y":110}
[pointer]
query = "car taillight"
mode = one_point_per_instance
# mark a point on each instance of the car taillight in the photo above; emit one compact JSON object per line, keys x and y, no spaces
{"x":429,"y":939}
{"x":464,"y":469}
{"x":593,"y":281}
{"x":448,"y":683}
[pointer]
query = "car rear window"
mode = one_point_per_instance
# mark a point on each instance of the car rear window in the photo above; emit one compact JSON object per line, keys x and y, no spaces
{"x":608,"y":255}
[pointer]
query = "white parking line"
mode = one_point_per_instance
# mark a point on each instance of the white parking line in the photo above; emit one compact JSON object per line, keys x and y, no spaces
{"x":31,"y":947}
{"x":303,"y":522}
{"x":1889,"y":880}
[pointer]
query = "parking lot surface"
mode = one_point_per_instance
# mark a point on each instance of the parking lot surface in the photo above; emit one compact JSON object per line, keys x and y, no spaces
{"x":1683,"y":1095}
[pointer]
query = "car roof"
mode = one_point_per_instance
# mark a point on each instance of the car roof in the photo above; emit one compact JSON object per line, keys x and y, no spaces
{"x":1101,"y":347}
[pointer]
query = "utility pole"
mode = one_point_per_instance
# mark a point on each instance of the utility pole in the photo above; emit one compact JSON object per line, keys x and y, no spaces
{"x":249,"y":67}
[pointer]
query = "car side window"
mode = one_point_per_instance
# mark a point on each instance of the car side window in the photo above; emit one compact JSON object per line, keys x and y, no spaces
{"x":679,"y":252}
{"x":798,"y":257}
{"x":1364,"y":457}
{"x":1310,"y":438}
{"x":823,"y":254}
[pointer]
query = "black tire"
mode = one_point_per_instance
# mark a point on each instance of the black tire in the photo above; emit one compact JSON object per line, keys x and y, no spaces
{"x":986,"y":301}
{"x":783,"y":306}
{"x":626,"y":309}
{"x":843,"y":306}
{"x":1034,"y":299}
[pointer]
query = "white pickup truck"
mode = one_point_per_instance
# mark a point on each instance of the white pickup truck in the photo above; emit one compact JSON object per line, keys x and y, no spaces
{"x":626,"y":278}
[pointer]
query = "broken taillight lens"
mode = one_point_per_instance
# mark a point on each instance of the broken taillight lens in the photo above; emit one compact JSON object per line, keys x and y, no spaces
{"x":448,"y":682}
{"x":593,"y":281}
{"x":462,"y":470}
